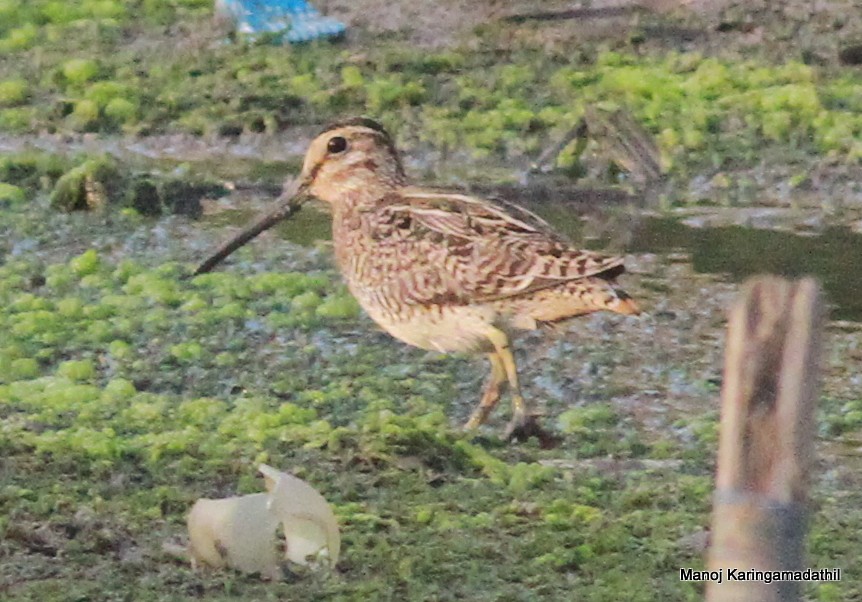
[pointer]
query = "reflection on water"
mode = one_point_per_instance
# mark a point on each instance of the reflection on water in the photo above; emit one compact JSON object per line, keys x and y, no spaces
{"x":304,"y":228}
{"x":832,"y":256}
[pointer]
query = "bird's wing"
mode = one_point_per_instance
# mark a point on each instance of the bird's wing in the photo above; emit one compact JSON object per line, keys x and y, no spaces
{"x":467,"y":250}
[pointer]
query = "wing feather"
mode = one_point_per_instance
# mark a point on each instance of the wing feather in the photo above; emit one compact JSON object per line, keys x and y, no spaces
{"x":455,"y":248}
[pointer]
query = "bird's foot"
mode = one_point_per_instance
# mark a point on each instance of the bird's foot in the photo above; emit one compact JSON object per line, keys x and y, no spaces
{"x":523,"y":426}
{"x":477,"y":419}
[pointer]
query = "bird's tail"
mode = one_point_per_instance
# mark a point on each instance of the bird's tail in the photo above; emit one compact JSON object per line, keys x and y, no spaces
{"x":571,"y":299}
{"x":622,"y":303}
{"x":600,"y":294}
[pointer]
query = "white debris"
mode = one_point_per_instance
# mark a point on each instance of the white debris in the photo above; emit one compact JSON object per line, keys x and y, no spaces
{"x":239,"y":532}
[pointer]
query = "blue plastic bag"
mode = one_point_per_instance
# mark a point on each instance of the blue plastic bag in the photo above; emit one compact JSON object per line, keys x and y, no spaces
{"x":294,"y":20}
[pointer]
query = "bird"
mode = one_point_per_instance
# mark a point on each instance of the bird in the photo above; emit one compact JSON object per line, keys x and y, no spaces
{"x":442,"y":270}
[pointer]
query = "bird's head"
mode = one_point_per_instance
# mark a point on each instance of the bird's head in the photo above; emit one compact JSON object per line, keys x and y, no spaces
{"x":354,"y":155}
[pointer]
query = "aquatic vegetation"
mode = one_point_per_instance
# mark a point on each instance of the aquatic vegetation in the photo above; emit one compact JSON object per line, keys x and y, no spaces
{"x":90,"y":185}
{"x":704,"y":110}
{"x":96,"y":182}
{"x":141,"y":390}
{"x":13,"y":92}
{"x":34,"y":172}
{"x":120,"y":368}
{"x":847,"y":418}
{"x":77,"y":72}
{"x":11,"y":194}
{"x":19,"y":38}
{"x":130,"y":390}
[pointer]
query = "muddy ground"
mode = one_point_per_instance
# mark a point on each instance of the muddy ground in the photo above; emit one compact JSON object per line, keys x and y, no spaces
{"x":128,"y":390}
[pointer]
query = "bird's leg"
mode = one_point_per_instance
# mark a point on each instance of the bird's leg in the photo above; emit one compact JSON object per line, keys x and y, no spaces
{"x":523,"y":424}
{"x":496,"y":386}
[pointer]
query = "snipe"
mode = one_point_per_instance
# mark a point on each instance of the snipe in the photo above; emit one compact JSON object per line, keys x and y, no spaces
{"x":441,"y":270}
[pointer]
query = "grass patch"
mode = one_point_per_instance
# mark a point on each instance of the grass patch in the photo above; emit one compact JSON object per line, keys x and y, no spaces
{"x":75,"y":72}
{"x":130,"y":390}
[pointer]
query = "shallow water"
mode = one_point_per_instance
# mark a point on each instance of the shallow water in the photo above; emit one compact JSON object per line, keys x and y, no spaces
{"x":739,"y":252}
{"x":831,"y":255}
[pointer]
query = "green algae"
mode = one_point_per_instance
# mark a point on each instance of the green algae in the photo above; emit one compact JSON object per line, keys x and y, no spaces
{"x":703,"y":110}
{"x":84,"y":405}
{"x":90,"y":185}
{"x":11,"y":195}
{"x":130,"y":390}
{"x":77,"y":72}
{"x":95,"y":183}
{"x":13,"y":92}
{"x":33,"y":172}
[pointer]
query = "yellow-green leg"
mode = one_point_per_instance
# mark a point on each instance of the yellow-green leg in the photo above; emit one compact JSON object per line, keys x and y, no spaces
{"x":523,"y":420}
{"x":523,"y":423}
{"x":496,"y":386}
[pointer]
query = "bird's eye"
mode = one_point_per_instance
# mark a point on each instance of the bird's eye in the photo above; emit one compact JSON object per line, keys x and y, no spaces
{"x":337,"y":145}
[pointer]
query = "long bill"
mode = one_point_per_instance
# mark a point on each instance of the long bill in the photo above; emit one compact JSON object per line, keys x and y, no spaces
{"x":285,"y":206}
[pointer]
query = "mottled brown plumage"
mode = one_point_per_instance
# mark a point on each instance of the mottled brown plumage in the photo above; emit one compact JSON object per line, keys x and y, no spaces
{"x":441,"y":270}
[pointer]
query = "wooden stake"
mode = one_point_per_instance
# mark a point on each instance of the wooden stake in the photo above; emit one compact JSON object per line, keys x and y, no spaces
{"x":766,"y":441}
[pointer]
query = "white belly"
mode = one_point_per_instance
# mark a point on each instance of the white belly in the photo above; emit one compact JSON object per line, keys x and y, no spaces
{"x":443,"y":329}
